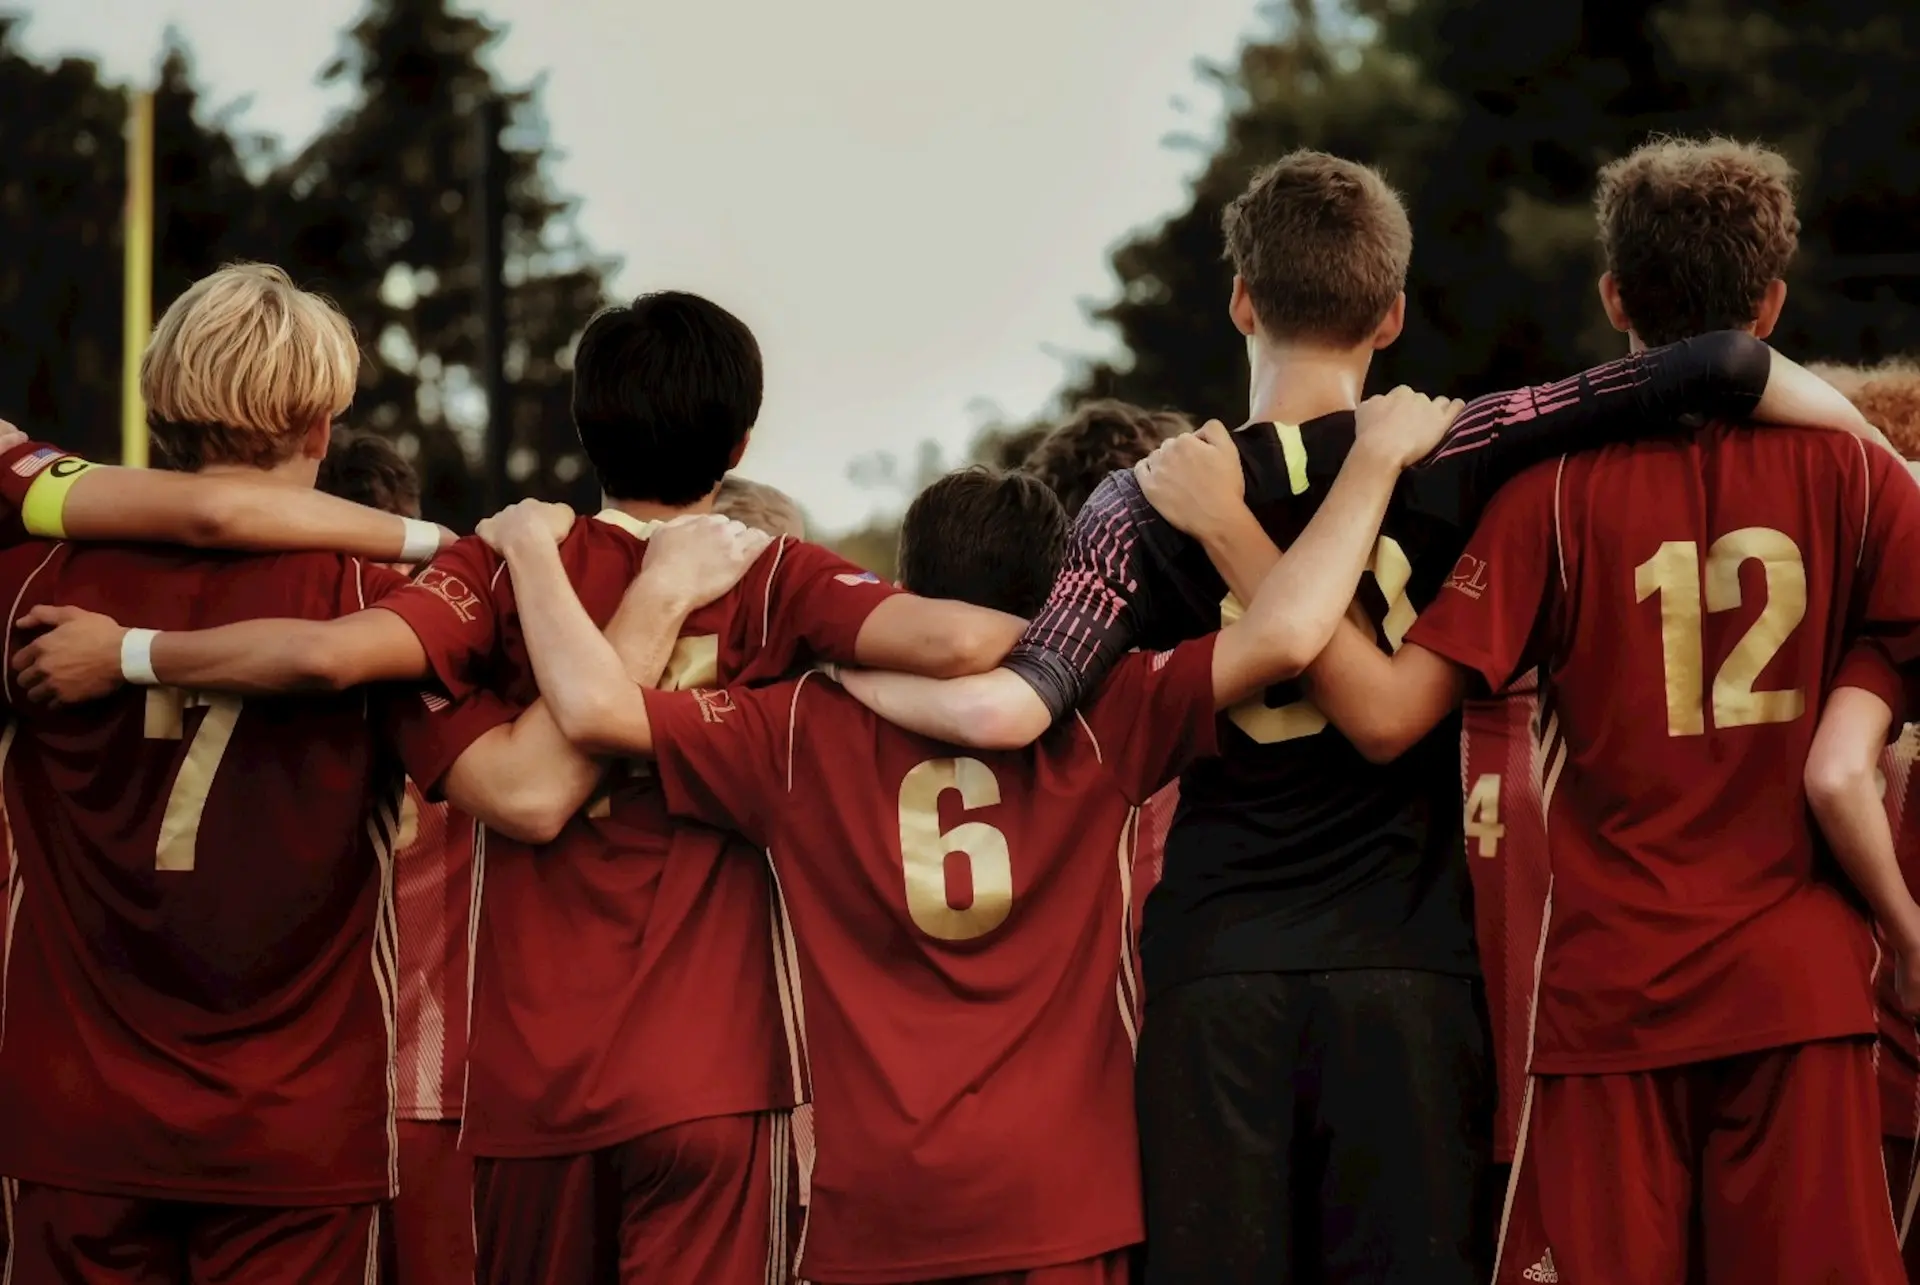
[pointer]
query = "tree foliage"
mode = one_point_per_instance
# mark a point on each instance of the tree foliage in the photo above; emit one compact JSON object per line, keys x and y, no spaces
{"x":1493,"y":116}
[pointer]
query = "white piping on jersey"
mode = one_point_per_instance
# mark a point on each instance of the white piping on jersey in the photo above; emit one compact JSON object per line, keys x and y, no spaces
{"x":383,"y":827}
{"x":1097,"y":756}
{"x":786,"y":963}
{"x":1126,"y":987}
{"x":474,"y":899}
{"x":779,"y":1155}
{"x":793,"y":722}
{"x":372,"y":1274}
{"x":6,"y":670}
{"x":1866,"y":508}
{"x":9,"y":1195}
{"x":766,"y":599}
{"x":1559,"y":537}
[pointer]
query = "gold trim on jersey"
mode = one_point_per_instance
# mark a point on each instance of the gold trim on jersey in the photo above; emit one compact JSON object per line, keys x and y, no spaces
{"x":1293,"y":449}
{"x":627,"y":522}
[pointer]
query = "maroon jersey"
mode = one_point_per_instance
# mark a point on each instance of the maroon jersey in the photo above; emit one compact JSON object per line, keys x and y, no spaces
{"x":1506,"y":839}
{"x":433,"y":892}
{"x":962,"y":933}
{"x":624,"y":978}
{"x":1687,"y":602}
{"x":199,"y":969}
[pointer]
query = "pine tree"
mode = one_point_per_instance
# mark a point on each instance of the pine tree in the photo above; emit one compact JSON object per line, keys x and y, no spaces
{"x":382,"y":201}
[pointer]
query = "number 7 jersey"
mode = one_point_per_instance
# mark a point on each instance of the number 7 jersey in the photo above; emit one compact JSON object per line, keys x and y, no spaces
{"x":197,"y":994}
{"x":1688,"y":603}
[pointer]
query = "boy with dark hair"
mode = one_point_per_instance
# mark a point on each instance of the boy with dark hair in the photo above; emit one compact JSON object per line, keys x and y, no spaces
{"x":1101,"y":437}
{"x":626,"y":933}
{"x":1311,"y":977}
{"x":958,"y":917}
{"x":1702,"y":1095}
{"x":368,"y":469}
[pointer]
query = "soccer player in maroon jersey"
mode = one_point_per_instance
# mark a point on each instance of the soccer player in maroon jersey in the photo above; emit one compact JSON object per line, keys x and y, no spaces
{"x":1703,"y":1095}
{"x":1506,"y":844}
{"x":196,"y":1024}
{"x":961,"y":921}
{"x":627,"y":933}
{"x":427,"y":1238}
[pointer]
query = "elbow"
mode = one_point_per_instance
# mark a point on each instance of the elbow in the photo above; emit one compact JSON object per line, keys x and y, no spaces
{"x":533,"y":817}
{"x":972,"y":647}
{"x":215,"y":523}
{"x":317,"y":664}
{"x":1834,"y":782}
{"x":590,"y":722}
{"x":1006,"y":725}
{"x":1381,"y":744}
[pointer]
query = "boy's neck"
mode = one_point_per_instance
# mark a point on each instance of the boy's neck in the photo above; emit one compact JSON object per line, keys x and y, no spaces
{"x":1295,"y":383}
{"x":298,"y":471}
{"x":652,"y":511}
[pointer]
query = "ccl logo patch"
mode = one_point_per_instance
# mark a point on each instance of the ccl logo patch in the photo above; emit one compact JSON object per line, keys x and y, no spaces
{"x":1469,"y":576}
{"x":453,"y":591}
{"x":714,"y":705}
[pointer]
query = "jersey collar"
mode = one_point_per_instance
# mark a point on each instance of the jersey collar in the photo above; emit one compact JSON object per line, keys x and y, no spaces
{"x":627,"y":522}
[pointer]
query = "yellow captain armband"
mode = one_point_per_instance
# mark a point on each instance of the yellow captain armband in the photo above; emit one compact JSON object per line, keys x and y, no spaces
{"x":42,"y":511}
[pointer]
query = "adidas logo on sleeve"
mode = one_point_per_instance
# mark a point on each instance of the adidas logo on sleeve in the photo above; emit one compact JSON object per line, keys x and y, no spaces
{"x":1543,"y":1271}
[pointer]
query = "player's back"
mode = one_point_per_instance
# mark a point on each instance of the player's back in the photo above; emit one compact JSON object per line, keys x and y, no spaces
{"x":1707,"y":588}
{"x":961,"y":919}
{"x":199,"y":975}
{"x":630,"y":932}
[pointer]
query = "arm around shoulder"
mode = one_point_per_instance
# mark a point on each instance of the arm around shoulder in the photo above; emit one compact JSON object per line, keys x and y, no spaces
{"x":935,"y":637}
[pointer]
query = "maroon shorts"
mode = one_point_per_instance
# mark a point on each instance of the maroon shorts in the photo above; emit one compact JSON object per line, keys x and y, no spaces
{"x":427,"y":1236}
{"x":710,"y":1202}
{"x":61,"y":1236}
{"x":1108,"y":1269}
{"x":1763,"y":1169}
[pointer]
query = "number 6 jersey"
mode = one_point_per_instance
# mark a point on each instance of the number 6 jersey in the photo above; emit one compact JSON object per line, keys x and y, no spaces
{"x":965,"y":981}
{"x":197,"y":994}
{"x":1688,"y":604}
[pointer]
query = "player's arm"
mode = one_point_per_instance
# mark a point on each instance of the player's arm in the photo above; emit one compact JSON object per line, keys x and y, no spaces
{"x":1843,"y":791}
{"x":593,"y":691}
{"x":935,"y":636}
{"x":525,"y":778}
{"x":62,"y":496}
{"x":85,"y":655}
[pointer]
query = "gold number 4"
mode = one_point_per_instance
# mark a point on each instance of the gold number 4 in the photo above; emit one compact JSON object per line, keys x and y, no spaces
{"x":1674,"y":572}
{"x":1483,"y":814}
{"x":924,"y":849}
{"x":187,"y":802}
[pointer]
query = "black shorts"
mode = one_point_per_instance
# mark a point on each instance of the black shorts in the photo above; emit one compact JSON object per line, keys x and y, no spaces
{"x":1300,"y":1128}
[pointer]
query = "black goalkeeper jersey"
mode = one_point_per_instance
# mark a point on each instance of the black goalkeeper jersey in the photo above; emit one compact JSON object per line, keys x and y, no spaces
{"x":1291,"y":852}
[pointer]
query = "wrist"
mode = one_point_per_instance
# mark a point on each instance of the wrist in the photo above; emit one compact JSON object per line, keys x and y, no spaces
{"x":136,"y":657}
{"x":1374,"y":454}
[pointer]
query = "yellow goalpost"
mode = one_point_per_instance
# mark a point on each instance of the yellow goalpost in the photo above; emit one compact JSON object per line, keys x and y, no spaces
{"x":138,"y":291}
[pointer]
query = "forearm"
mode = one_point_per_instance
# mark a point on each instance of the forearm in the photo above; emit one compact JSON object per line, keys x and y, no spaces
{"x":265,"y":657}
{"x":644,"y":632}
{"x":1382,"y":704}
{"x":228,"y":512}
{"x":996,"y":710}
{"x":596,"y":705}
{"x":1242,"y":552}
{"x":1307,"y":592}
{"x":1796,"y":397}
{"x":1843,"y":792}
{"x":525,"y":779}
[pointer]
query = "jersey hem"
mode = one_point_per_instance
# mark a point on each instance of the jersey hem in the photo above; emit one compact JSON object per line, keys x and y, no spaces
{"x":1637,"y":1060}
{"x":546,"y":1143}
{"x":940,"y":1269}
{"x":1156,"y":986}
{"x":250,"y":1195}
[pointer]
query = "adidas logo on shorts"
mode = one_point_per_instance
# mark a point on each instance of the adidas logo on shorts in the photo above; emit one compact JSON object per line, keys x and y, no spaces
{"x":1543,"y":1271}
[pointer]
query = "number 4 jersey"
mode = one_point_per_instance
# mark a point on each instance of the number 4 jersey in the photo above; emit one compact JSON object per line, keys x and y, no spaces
{"x":963,"y":941}
{"x":1688,"y":604}
{"x":198,"y":977}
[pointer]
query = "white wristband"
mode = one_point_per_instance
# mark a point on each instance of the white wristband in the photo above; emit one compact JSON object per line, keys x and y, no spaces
{"x":136,"y":657}
{"x":422,"y":540}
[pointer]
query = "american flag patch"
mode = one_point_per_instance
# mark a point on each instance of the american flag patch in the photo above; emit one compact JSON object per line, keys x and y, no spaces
{"x":845,"y":577}
{"x":435,"y":703}
{"x":28,"y":465}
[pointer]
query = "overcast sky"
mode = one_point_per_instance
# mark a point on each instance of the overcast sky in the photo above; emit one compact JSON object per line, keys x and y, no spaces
{"x":908,"y":201}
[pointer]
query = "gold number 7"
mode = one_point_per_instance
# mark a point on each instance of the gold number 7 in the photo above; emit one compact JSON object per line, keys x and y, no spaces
{"x":187,"y":802}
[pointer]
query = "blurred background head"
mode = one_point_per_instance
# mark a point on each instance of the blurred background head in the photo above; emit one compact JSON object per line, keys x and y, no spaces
{"x":1887,"y":393}
{"x":760,"y":506}
{"x":1100,"y":438}
{"x":370,"y":470}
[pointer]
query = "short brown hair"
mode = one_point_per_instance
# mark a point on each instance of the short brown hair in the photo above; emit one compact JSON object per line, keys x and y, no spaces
{"x":1694,"y":233}
{"x":986,"y":537}
{"x":1322,"y":244}
{"x":759,"y":506}
{"x":1103,"y":437}
{"x":370,"y":470}
{"x":242,"y":366}
{"x":1888,"y":395}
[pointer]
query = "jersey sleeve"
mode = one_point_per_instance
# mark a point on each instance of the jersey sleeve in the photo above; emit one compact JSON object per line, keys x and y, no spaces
{"x":723,"y":754}
{"x":1714,"y":376}
{"x":1155,"y":715}
{"x":453,"y":608}
{"x":816,"y":601}
{"x":1487,"y":615}
{"x":430,"y":731}
{"x":1092,"y":615}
